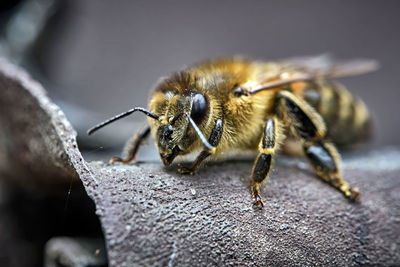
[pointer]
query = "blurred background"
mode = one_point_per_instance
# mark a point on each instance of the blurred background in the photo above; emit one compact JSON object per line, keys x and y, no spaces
{"x":99,"y":58}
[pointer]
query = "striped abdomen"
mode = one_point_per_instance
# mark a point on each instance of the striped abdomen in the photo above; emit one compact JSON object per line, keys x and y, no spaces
{"x":346,"y":116}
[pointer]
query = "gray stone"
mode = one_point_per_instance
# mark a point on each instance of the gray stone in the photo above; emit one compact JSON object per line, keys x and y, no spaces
{"x":77,"y":252}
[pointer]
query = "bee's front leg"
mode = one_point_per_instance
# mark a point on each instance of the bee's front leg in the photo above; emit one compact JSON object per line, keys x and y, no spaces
{"x":132,"y":147}
{"x":214,"y":139}
{"x":262,"y":165}
{"x":196,"y":164}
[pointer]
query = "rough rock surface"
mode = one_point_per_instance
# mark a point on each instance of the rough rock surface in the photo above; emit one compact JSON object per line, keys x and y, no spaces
{"x":35,"y":136}
{"x":66,"y":251}
{"x":152,"y":216}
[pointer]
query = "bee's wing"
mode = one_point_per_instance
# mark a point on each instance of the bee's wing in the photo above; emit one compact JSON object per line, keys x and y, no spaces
{"x":323,"y":66}
{"x":326,"y":66}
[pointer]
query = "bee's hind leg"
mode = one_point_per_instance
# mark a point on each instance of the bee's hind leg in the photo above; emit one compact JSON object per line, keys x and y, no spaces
{"x":133,"y":147}
{"x":310,"y":128}
{"x":214,"y":139}
{"x":262,"y":164}
{"x":325,"y":160}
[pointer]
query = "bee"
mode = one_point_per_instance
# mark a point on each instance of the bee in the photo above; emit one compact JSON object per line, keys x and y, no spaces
{"x":240,"y":104}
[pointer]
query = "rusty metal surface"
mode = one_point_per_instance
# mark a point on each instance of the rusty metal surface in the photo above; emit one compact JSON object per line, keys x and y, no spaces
{"x":153,"y":216}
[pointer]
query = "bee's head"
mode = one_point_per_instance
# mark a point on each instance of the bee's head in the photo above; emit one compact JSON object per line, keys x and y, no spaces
{"x":171,"y":128}
{"x":174,"y":136}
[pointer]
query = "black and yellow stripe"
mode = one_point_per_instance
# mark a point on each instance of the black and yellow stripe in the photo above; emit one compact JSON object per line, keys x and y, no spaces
{"x":346,"y":116}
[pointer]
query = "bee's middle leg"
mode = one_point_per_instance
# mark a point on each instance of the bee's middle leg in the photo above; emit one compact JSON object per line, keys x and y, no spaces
{"x":262,"y":164}
{"x":133,"y":147}
{"x":214,"y":139}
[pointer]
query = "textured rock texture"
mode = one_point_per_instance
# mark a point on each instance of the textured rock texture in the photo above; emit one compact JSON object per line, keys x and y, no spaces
{"x":152,"y":216}
{"x":35,"y":136}
{"x":66,"y":251}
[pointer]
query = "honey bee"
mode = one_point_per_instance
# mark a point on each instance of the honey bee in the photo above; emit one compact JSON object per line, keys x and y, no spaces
{"x":240,"y":104}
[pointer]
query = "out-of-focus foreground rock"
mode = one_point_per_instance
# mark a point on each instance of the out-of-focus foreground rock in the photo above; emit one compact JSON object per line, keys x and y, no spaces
{"x":152,"y":216}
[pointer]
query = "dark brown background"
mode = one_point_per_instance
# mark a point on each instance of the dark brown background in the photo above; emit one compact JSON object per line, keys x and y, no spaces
{"x":105,"y":56}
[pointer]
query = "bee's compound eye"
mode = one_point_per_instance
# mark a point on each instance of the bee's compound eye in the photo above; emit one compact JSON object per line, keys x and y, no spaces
{"x":199,"y":108}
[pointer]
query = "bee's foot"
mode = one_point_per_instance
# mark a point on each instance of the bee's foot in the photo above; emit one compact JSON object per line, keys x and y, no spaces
{"x":185,"y":170}
{"x":354,"y":194}
{"x":258,"y":203}
{"x":114,"y":160}
{"x":255,"y":192}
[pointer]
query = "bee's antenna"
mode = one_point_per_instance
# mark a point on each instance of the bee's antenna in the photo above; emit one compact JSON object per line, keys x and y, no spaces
{"x":120,"y":116}
{"x":200,"y":134}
